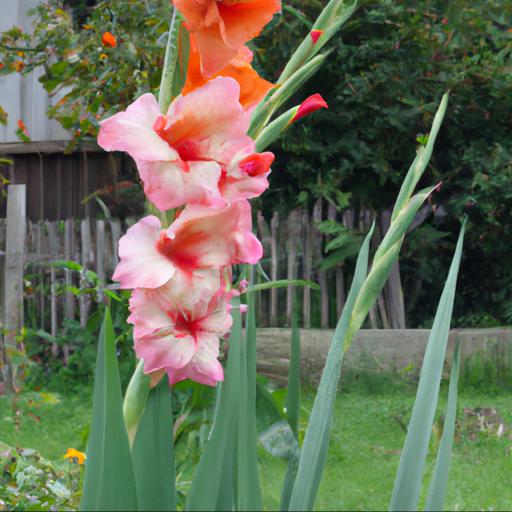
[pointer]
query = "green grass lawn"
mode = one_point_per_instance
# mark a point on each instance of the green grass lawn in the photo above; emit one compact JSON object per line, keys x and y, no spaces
{"x":363,"y":456}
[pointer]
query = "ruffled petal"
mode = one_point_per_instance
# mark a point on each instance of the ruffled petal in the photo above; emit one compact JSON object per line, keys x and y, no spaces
{"x":171,"y":185}
{"x":141,"y":264}
{"x":216,"y":237}
{"x":132,"y":131}
{"x":162,"y":349}
{"x":243,"y":21}
{"x":213,"y":110}
{"x":204,"y":366}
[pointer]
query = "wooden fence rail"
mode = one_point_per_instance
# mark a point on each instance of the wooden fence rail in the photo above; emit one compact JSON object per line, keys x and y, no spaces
{"x":292,"y":248}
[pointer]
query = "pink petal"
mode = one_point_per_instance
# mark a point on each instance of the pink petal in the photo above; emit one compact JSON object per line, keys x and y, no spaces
{"x":142,"y":265}
{"x":204,"y":366}
{"x":161,"y":351}
{"x":132,"y":131}
{"x":147,"y":313}
{"x":169,"y":185}
{"x":216,"y":237}
{"x":247,"y":177}
{"x":206,"y":119}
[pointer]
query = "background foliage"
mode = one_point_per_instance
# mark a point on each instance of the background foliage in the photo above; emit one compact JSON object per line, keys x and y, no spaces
{"x":387,"y":73}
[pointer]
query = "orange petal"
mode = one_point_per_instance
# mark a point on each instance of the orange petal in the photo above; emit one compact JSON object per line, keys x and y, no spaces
{"x":253,"y":88}
{"x":109,"y":39}
{"x":221,"y":27}
{"x":198,"y":13}
{"x":243,"y":21}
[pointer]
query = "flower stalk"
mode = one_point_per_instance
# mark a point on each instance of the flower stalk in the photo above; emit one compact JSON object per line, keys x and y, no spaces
{"x":170,"y":62}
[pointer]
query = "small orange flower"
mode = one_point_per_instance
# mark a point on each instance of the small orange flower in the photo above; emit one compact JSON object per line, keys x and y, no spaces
{"x":2,"y":65}
{"x":252,"y":87}
{"x":22,"y":127}
{"x":75,"y":456}
{"x":109,"y":39}
{"x":19,"y":66}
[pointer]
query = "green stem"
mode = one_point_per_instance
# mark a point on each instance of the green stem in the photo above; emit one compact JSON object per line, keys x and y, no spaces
{"x":170,"y":62}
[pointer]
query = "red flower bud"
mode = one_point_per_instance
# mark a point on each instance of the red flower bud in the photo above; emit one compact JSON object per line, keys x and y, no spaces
{"x":310,"y":105}
{"x":315,"y":35}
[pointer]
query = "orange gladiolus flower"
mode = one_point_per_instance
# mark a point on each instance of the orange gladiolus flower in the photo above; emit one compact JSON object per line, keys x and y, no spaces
{"x":109,"y":39}
{"x":252,"y":87}
{"x":75,"y":456}
{"x":221,"y":27}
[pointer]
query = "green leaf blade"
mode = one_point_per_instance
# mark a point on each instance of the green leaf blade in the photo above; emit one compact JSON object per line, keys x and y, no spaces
{"x":439,"y":482}
{"x":213,"y":483}
{"x":153,"y":453}
{"x":109,"y":482}
{"x":292,"y":411}
{"x":248,"y":482}
{"x":412,"y":462}
{"x":316,"y":441}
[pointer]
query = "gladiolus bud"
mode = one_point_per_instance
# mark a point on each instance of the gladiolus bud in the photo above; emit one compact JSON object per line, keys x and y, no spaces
{"x":310,"y":105}
{"x":315,"y":35}
{"x":109,"y":39}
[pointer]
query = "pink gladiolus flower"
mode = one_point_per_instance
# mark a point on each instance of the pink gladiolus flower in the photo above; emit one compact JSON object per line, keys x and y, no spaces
{"x":181,"y":338}
{"x":183,"y":155}
{"x":200,"y":238}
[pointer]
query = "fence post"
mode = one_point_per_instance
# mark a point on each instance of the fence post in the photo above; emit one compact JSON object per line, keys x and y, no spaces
{"x":13,"y":281}
{"x":100,"y":256}
{"x":274,"y":265}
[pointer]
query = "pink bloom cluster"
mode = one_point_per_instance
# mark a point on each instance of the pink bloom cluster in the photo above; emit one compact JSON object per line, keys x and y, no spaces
{"x":198,"y":159}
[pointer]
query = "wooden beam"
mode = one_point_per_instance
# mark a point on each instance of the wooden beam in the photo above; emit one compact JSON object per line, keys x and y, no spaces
{"x":57,"y":146}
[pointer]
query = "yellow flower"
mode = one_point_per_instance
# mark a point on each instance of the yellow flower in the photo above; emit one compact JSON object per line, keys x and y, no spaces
{"x":103,"y":56}
{"x":75,"y":456}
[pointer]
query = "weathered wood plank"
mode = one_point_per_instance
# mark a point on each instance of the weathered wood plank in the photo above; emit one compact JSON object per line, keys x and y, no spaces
{"x":14,"y":267}
{"x":274,"y":264}
{"x":307,"y":264}
{"x":54,"y":304}
{"x":100,"y":255}
{"x":393,"y":288}
{"x":87,"y":257}
{"x":293,"y":240}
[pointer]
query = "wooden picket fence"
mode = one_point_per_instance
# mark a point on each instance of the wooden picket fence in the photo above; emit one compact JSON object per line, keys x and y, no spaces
{"x":292,"y":246}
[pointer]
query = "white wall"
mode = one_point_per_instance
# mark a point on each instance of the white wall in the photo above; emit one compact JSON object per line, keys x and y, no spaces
{"x":23,"y":97}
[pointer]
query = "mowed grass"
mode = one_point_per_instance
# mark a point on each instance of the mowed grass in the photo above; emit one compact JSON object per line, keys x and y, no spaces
{"x":363,"y":456}
{"x":365,"y":449}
